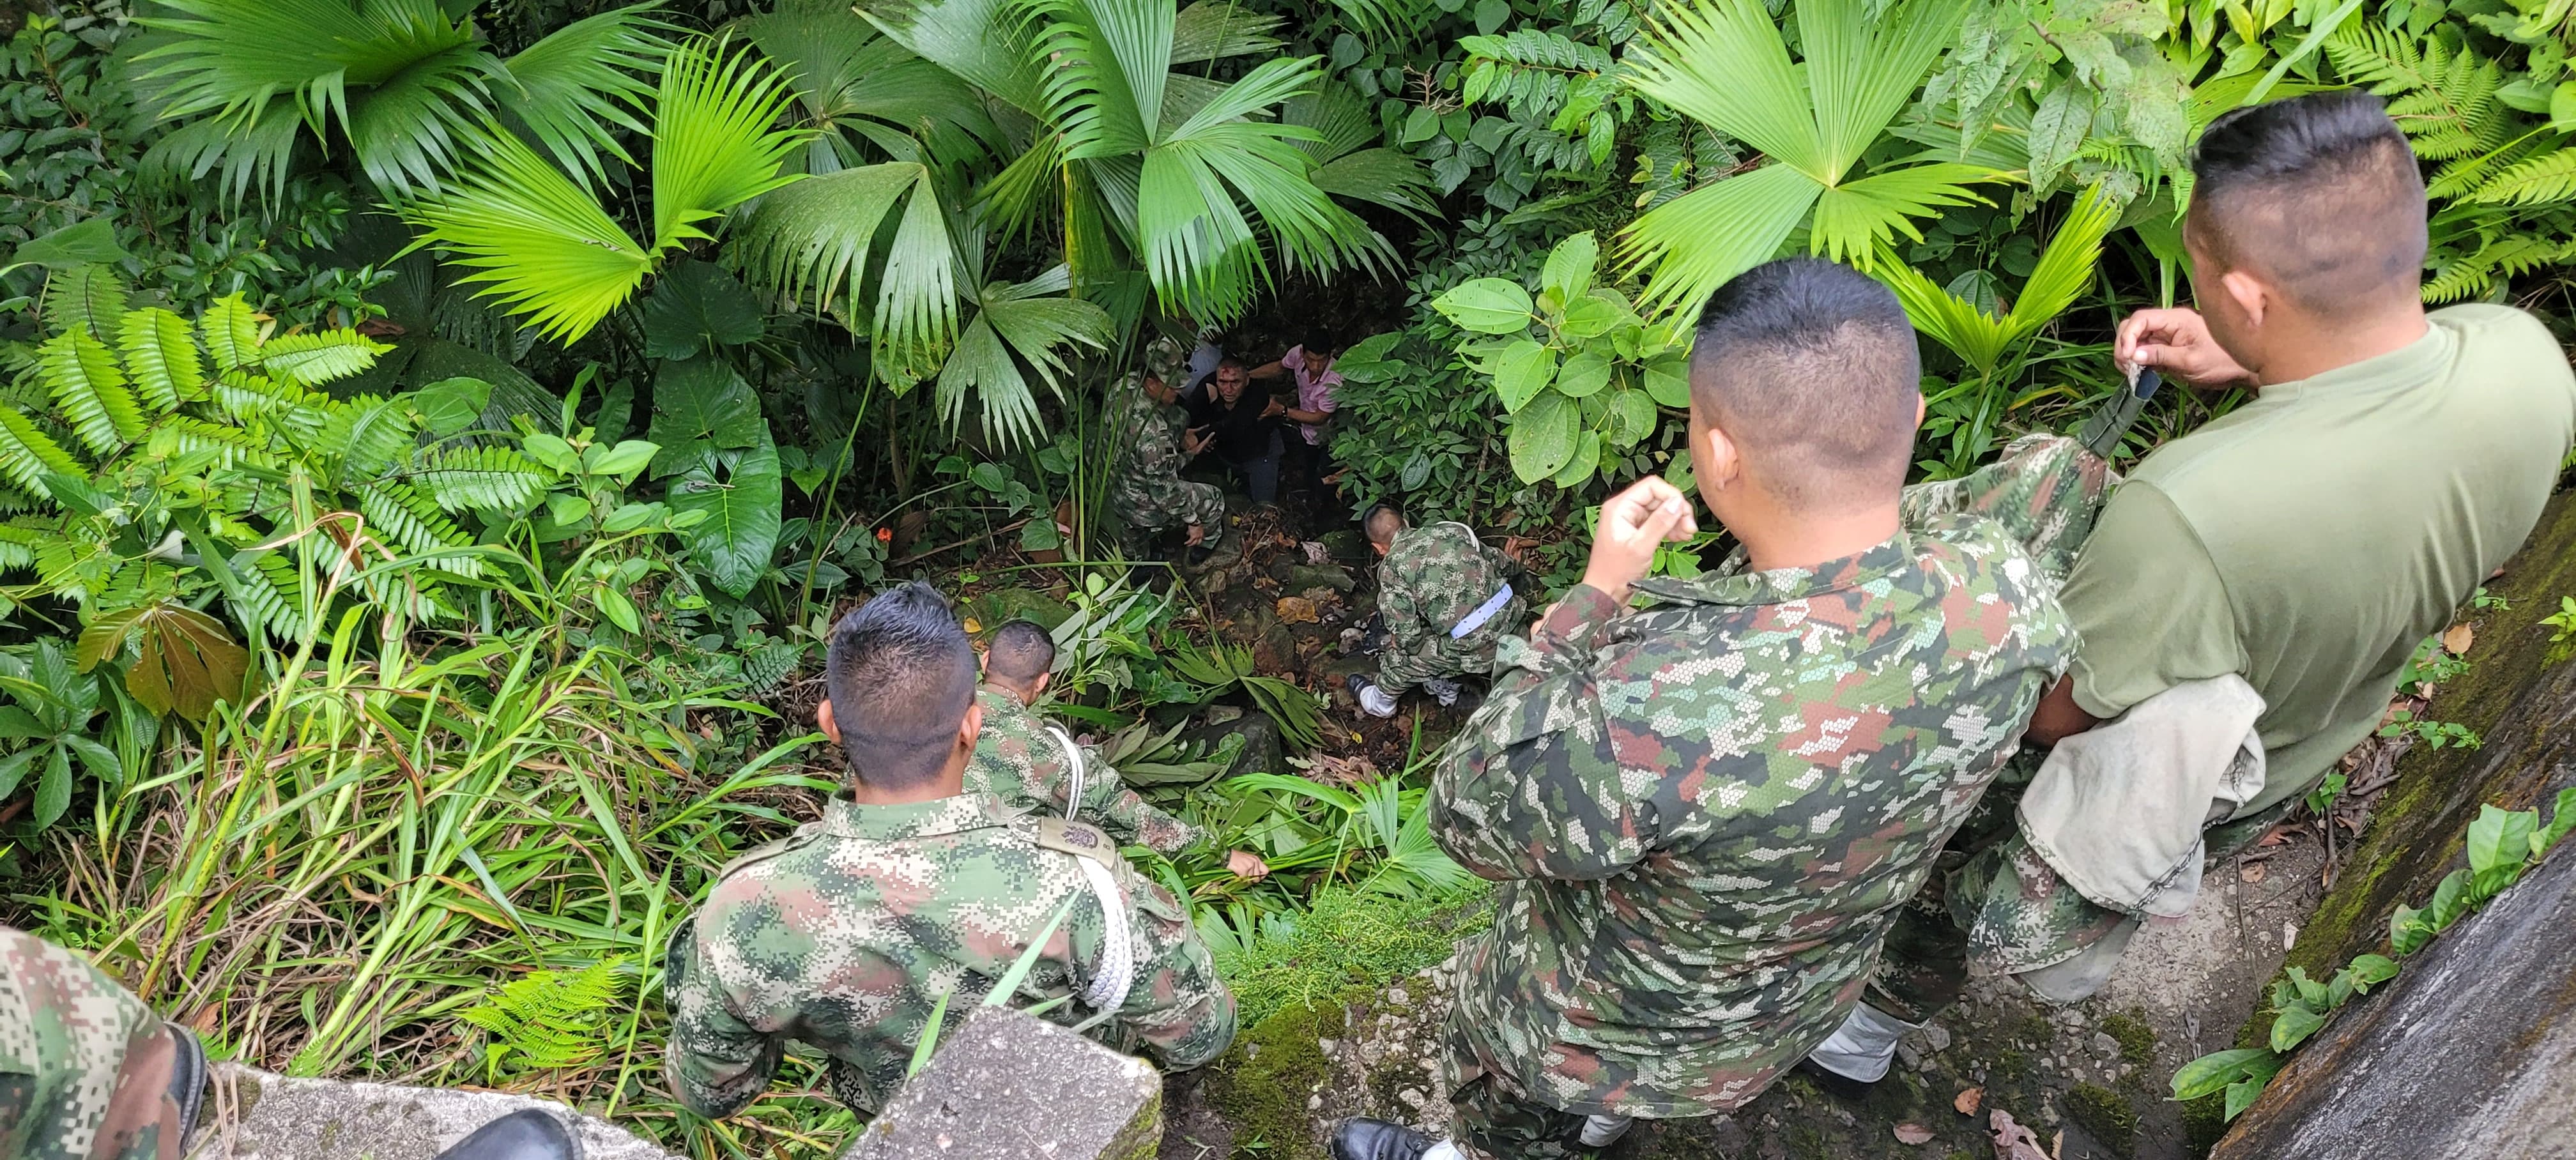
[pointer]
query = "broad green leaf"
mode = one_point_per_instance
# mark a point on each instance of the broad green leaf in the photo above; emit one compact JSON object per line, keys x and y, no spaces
{"x":2499,"y":848}
{"x":1487,"y":306}
{"x":2409,"y":930}
{"x":700,"y":403}
{"x":2562,"y":819}
{"x":1521,"y":371}
{"x":1570,"y":264}
{"x":739,"y":493}
{"x":1579,"y":467}
{"x":2215,"y":1071}
{"x":2241,"y":1095}
{"x":2450,"y":900}
{"x":2371,"y":970}
{"x":1632,"y":417}
{"x":449,"y":406}
{"x":17,"y":725}
{"x":988,"y":476}
{"x":1593,"y":315}
{"x":619,"y":610}
{"x":552,"y":451}
{"x":696,"y":307}
{"x":2294,"y":1025}
{"x":2057,"y":130}
{"x":90,"y":241}
{"x":1542,"y":437}
{"x":1668,"y":380}
{"x":625,"y":459}
{"x":54,"y":792}
{"x":567,"y":508}
{"x":1584,"y":373}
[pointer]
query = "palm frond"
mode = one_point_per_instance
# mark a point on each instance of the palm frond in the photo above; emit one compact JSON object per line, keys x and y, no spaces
{"x":492,"y":479}
{"x":1978,"y":338}
{"x":1022,"y":324}
{"x":1855,"y":218}
{"x":716,"y":140}
{"x":1697,"y":241}
{"x":1722,"y":62}
{"x":541,"y":244}
{"x":978,"y":40}
{"x":1107,"y":97}
{"x":408,"y":131}
{"x":1214,"y":29}
{"x":812,"y":242}
{"x":1864,"y":65}
{"x":2065,"y":268}
{"x":574,"y":89}
{"x":313,"y":358}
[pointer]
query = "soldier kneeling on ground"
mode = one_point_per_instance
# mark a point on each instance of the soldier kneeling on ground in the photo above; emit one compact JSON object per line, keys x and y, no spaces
{"x":1032,"y":764}
{"x":847,"y":934}
{"x":1147,"y":488}
{"x":1444,"y":600}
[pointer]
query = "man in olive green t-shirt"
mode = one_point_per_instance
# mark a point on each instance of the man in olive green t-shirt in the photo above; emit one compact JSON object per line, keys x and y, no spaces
{"x":2306,"y":542}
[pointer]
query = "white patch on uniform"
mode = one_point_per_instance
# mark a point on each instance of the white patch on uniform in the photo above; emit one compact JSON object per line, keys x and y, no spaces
{"x":1824,"y":823}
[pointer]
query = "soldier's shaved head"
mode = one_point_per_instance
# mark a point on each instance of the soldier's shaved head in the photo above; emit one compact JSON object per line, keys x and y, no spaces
{"x":2319,"y":196}
{"x":1381,"y":524}
{"x":1019,"y":653}
{"x":901,"y":675}
{"x":1810,"y":368}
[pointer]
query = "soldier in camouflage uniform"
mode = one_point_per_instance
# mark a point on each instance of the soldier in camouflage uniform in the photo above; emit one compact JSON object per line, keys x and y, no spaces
{"x":1446,"y":600}
{"x":87,"y":1072}
{"x":846,"y":935}
{"x":1147,"y":488}
{"x":1705,"y":815}
{"x":1034,"y":766}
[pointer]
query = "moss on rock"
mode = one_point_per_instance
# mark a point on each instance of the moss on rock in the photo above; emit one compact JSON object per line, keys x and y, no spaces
{"x":2137,"y":1040}
{"x":2106,"y":1114}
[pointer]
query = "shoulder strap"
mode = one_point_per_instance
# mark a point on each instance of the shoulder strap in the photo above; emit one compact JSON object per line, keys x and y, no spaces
{"x":1092,"y":851}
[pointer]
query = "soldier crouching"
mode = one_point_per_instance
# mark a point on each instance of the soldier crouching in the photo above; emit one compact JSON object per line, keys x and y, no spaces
{"x":847,"y":934}
{"x":1705,"y":815}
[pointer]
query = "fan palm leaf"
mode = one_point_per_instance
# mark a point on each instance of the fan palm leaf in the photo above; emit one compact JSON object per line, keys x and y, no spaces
{"x":815,"y":241}
{"x":1981,"y":337}
{"x":1019,"y":328}
{"x":716,"y":140}
{"x":575,"y":89}
{"x":540,"y":243}
{"x":857,"y":86}
{"x":1723,"y":63}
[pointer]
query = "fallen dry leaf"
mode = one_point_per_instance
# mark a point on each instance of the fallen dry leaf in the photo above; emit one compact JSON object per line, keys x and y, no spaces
{"x":2459,"y":638}
{"x":2057,"y":1145}
{"x":1316,"y":552}
{"x":2252,"y":873}
{"x":1913,"y":1134}
{"x":1968,"y":1101}
{"x":1296,"y":610}
{"x":2013,"y":1141}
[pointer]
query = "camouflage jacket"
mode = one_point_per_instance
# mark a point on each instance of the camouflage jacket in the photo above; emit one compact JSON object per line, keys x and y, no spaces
{"x":1433,"y":577}
{"x":1149,"y":437}
{"x":69,"y":1037}
{"x":1020,"y":761}
{"x":1706,"y":814}
{"x":845,"y":936}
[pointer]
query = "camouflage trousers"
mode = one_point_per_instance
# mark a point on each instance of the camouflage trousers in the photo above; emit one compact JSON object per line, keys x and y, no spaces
{"x":1993,"y":906}
{"x":1492,"y":1121}
{"x":1162,"y":503}
{"x":84,"y":1065}
{"x":1441,"y":655}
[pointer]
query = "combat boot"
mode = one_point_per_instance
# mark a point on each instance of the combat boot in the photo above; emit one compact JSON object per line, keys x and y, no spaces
{"x":1359,"y":1138}
{"x":526,"y":1134}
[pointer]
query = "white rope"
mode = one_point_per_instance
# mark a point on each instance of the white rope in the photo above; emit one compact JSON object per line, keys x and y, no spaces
{"x":1117,"y":970}
{"x":1073,"y":758}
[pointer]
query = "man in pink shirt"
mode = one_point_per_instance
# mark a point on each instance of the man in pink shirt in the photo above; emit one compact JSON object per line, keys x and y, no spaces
{"x":1312,"y":363}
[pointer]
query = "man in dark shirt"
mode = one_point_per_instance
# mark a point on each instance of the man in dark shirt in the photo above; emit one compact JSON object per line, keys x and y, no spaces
{"x":1244,"y":431}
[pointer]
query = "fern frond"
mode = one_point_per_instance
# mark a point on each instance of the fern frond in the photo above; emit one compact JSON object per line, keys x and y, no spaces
{"x":408,"y":520}
{"x":82,"y":375}
{"x":183,"y":435}
{"x":480,"y":478}
{"x":232,"y":330}
{"x":245,"y":397}
{"x":553,"y":1019}
{"x":27,"y":454}
{"x":274,"y":591}
{"x":162,"y":357}
{"x":310,"y":360}
{"x":18,"y":542}
{"x":366,"y":434}
{"x":2549,"y":177}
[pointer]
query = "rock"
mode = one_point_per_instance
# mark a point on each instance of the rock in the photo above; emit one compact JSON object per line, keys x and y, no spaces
{"x":1009,"y":1086}
{"x":1261,"y":752}
{"x":2109,"y":1047}
{"x":1275,"y":652}
{"x":2471,"y":1051}
{"x":1299,"y":577}
{"x":272,"y":1117}
{"x":1936,"y":1037}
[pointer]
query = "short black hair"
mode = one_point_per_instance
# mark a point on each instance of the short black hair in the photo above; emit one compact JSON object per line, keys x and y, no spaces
{"x":901,"y":675}
{"x":1230,"y":361}
{"x":2320,"y":194}
{"x":1381,"y":517}
{"x":1811,"y":368}
{"x":1020,"y":652}
{"x":1320,"y":342}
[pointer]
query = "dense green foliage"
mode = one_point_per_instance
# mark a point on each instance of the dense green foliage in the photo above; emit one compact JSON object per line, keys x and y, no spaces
{"x":428,"y":464}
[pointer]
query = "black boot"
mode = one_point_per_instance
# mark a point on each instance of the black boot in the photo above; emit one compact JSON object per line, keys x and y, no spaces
{"x":187,"y":1080}
{"x":1835,"y":1083}
{"x":1365,"y":1139}
{"x":526,"y":1134}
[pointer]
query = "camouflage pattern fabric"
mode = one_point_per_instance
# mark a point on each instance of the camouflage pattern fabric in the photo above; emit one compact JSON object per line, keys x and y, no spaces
{"x":2045,"y":489}
{"x":83,"y":1063}
{"x":1432,"y":578}
{"x":1707,"y":815}
{"x":1148,"y":489}
{"x":1493,"y":1121}
{"x":845,"y":935}
{"x":1166,"y":359}
{"x":1019,"y":761}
